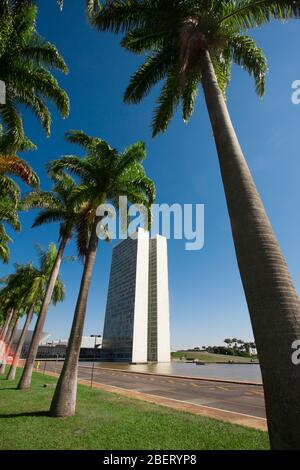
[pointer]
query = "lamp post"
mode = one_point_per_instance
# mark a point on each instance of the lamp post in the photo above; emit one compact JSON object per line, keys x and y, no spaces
{"x":93,"y":368}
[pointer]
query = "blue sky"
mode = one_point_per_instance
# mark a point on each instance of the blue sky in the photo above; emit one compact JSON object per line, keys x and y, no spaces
{"x":207,"y":300}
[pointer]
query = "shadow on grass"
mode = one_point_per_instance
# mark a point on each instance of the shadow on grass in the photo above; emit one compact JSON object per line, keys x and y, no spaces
{"x":8,"y":388}
{"x":31,"y":414}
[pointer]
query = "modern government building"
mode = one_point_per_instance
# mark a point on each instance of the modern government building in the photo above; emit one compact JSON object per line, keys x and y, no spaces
{"x":137,"y":326}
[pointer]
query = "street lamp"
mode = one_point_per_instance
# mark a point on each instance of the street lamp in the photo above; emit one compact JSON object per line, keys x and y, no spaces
{"x":93,"y":368}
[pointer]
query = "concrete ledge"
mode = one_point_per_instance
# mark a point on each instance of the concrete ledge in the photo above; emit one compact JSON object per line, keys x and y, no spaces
{"x":200,"y":410}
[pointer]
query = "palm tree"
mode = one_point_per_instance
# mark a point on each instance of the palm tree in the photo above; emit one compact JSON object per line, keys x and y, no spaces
{"x":27,"y":287}
{"x":9,"y":207}
{"x":17,"y":353}
{"x":105,"y":175}
{"x":18,"y":288}
{"x":25,"y":63}
{"x":10,"y":202}
{"x":31,"y":295}
{"x":191,"y":44}
{"x":8,"y":307}
{"x":56,"y":206}
{"x":5,"y":317}
{"x":8,"y":313}
{"x":9,"y":343}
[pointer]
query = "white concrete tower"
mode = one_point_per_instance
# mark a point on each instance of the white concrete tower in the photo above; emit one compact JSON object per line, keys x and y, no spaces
{"x":158,"y":302}
{"x":136,"y":327}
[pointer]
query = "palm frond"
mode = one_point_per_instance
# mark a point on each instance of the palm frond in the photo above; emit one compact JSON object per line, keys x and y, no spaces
{"x":45,"y":54}
{"x":120,"y":15}
{"x":4,"y":241}
{"x":247,"y":14}
{"x":15,"y":166}
{"x":41,"y":199}
{"x":189,"y":93}
{"x":151,"y":72}
{"x":167,"y":103}
{"x":248,"y":55}
{"x":47,"y":216}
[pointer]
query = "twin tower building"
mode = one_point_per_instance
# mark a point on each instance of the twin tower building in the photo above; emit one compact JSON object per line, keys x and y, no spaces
{"x":137,"y":325}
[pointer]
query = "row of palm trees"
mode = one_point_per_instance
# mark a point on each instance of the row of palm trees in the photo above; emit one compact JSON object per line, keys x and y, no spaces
{"x":103,"y":174}
{"x":22,"y":295}
{"x":188,"y":44}
{"x":26,"y":61}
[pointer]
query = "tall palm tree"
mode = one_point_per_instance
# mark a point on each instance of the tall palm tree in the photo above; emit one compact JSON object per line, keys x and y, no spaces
{"x":56,"y":206}
{"x":28,"y":285}
{"x":191,"y":44}
{"x":105,"y":174}
{"x":25,"y":63}
{"x":31,"y":295}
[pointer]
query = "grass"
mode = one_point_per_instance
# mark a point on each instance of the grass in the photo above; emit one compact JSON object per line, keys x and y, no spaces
{"x":108,"y":421}
{"x":210,"y":357}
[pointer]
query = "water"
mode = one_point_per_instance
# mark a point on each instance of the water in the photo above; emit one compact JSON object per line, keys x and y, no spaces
{"x":243,"y":372}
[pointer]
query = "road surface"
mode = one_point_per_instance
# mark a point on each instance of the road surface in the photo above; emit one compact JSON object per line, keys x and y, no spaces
{"x":238,"y":398}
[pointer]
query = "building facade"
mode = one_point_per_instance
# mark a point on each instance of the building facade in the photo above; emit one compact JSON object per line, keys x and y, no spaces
{"x":136,"y":327}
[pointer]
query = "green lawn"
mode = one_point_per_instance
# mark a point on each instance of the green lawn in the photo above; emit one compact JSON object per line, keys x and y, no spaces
{"x":210,"y":357}
{"x":108,"y":421}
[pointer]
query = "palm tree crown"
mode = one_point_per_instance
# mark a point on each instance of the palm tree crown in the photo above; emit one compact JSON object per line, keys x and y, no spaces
{"x":58,"y":205}
{"x":105,"y":174}
{"x":29,"y":282}
{"x":174,"y":33}
{"x":10,"y":196}
{"x":25,"y":60}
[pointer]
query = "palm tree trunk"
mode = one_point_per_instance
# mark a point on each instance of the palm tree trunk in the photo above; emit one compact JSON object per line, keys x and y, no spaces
{"x":6,"y":323}
{"x":64,"y":399}
{"x":8,"y":346}
{"x":25,"y":381}
{"x":14,"y":365}
{"x":273,"y":303}
{"x":8,"y":335}
{"x":5,"y":329}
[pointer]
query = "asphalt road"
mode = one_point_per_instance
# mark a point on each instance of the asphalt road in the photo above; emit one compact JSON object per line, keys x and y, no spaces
{"x":239,"y":398}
